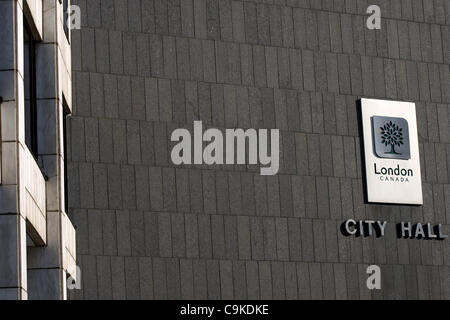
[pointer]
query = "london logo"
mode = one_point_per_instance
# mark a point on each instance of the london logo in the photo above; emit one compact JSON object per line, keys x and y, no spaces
{"x":391,"y":152}
{"x":391,"y":138}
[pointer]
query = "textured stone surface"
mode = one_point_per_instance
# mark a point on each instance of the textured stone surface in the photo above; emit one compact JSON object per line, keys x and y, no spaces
{"x":144,"y":68}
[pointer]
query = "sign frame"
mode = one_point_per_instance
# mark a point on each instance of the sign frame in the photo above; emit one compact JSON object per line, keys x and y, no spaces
{"x":391,"y":180}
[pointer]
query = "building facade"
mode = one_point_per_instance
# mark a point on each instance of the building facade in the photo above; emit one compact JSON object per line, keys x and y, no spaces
{"x":149,"y":229}
{"x":37,"y":239}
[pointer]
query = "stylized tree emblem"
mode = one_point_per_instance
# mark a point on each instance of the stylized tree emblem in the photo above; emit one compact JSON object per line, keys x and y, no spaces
{"x":392,"y":134}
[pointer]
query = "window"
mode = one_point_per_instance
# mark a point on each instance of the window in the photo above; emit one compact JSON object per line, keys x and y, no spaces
{"x":66,"y":18}
{"x":29,"y":75}
{"x":66,"y":113}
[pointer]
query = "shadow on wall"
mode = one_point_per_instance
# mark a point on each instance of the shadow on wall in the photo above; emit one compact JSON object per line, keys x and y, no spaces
{"x":361,"y":147}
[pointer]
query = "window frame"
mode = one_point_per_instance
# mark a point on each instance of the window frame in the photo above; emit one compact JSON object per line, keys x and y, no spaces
{"x":30,"y":75}
{"x":66,"y":27}
{"x":65,"y":114}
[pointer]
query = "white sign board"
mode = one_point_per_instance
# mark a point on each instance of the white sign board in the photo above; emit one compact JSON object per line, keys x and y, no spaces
{"x":391,"y":149}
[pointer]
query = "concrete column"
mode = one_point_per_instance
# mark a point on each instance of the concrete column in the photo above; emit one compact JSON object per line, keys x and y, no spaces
{"x":35,"y":272}
{"x":46,"y":273}
{"x":13,"y":257}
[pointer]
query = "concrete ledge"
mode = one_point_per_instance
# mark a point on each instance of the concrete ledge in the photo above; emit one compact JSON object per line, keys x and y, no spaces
{"x":32,"y":10}
{"x":33,"y":199}
{"x":69,"y":241}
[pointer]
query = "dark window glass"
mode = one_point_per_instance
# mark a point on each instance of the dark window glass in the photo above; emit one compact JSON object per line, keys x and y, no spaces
{"x":30,"y":89}
{"x":66,"y":17}
{"x":66,"y":113}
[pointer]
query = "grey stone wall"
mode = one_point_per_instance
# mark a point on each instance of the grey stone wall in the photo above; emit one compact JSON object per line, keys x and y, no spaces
{"x":149,"y":230}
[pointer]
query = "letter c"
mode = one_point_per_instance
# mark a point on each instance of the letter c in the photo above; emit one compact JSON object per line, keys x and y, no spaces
{"x":226,"y":309}
{"x":347,"y":226}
